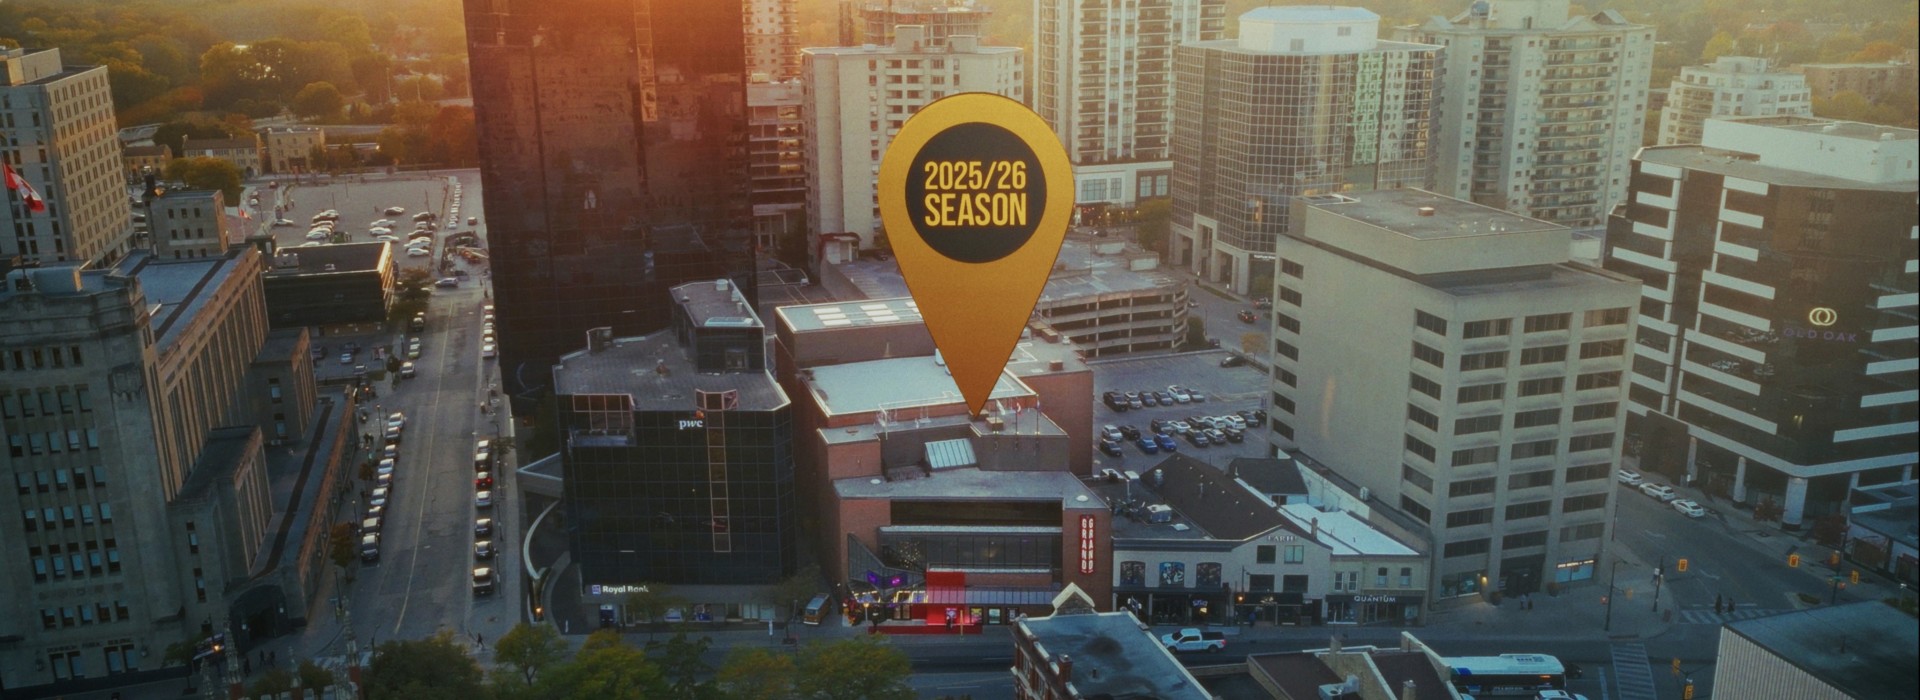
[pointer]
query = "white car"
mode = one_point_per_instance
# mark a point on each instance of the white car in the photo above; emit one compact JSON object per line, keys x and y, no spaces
{"x":1660,"y":492}
{"x":397,"y":421}
{"x":417,"y":253}
{"x":1180,"y":394}
{"x":1689,"y":508}
{"x":1628,"y":477}
{"x":395,"y":211}
{"x":487,"y":350}
{"x":406,"y":370}
{"x":386,"y":467}
{"x":380,"y":230}
{"x":387,"y":239}
{"x":381,"y":223}
{"x":318,"y":235}
{"x":483,"y":499}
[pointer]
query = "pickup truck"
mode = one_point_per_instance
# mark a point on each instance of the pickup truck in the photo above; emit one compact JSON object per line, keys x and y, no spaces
{"x":1191,"y":639}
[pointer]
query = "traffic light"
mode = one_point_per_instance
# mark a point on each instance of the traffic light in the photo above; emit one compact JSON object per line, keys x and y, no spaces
{"x":1676,"y":665}
{"x":1680,"y":566}
{"x":1629,"y":594}
{"x":1833,"y":559}
{"x":1854,"y":577}
{"x":1793,"y":560}
{"x":1686,"y":693}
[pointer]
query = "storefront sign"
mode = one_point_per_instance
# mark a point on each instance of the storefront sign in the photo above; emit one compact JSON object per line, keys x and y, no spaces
{"x":1822,"y":316}
{"x":1375,"y":599}
{"x":619,"y":589}
{"x":1817,"y":334}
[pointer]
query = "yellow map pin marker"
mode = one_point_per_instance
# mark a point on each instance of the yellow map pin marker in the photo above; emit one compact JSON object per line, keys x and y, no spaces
{"x":976,"y":194}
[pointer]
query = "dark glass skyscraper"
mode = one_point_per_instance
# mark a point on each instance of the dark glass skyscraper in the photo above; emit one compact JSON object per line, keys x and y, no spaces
{"x":613,"y":148}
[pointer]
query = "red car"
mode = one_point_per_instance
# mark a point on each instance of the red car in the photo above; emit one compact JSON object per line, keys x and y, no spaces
{"x":483,"y":480}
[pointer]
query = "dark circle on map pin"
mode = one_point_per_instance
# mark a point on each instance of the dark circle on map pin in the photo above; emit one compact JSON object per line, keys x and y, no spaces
{"x":986,"y":143}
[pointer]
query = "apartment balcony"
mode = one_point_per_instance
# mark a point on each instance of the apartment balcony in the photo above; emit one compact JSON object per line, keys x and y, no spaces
{"x":1582,"y":58}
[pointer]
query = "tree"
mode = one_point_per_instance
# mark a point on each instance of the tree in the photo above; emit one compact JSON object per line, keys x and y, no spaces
{"x":651,"y":601}
{"x":795,"y":590}
{"x":754,"y":673}
{"x":1156,"y":220}
{"x":318,"y":100}
{"x":606,"y":668}
{"x":866,"y":667}
{"x":206,"y":173}
{"x":372,"y":71}
{"x":680,"y":663}
{"x":340,"y":545}
{"x":530,"y":650}
{"x":312,"y":675}
{"x":1720,"y":45}
{"x":437,"y":668}
{"x":1196,"y":331}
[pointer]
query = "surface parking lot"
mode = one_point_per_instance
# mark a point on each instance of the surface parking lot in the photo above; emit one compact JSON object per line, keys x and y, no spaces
{"x":1227,"y":389}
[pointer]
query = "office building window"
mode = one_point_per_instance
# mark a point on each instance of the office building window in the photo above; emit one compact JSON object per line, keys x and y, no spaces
{"x":1597,"y":441}
{"x":1536,"y":448}
{"x":1597,"y":380}
{"x":1430,"y":322}
{"x":1476,"y":424}
{"x":1543,"y":355}
{"x":1538,"y":387}
{"x":1421,"y":416}
{"x":1481,"y":392}
{"x":1524,"y":539}
{"x":1573,"y":504}
{"x":1424,"y":385}
{"x":1534,"y":419}
{"x":1265,"y":554}
{"x":1465,"y":518}
{"x":1413,"y":508}
{"x":1466,"y":548}
{"x":1419,"y":447}
{"x":1487,"y":329}
{"x":1295,"y":554}
{"x":1483,"y":360}
{"x":1416,"y":477}
{"x":1429,"y":355}
{"x":1470,"y":487}
{"x":1602,"y":348}
{"x":1530,"y":480}
{"x":1548,"y":322}
{"x":1606,"y":317}
{"x":1594,"y":411}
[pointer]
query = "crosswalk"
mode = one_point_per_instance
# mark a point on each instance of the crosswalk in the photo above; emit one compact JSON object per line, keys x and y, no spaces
{"x":1706,"y":616}
{"x":1632,"y":672}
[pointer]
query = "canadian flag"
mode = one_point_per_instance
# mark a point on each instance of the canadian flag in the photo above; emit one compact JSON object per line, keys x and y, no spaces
{"x":35,"y":203}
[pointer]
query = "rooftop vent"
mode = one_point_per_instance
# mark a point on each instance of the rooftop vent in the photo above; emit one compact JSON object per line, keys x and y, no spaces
{"x":1427,"y":211}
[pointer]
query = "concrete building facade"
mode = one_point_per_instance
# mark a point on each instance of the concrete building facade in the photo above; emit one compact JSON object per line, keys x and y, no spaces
{"x":777,"y":156}
{"x":1731,"y":86}
{"x":1539,"y":112}
{"x":189,"y":224}
{"x":1870,"y":80}
{"x":61,"y":141}
{"x":1775,"y":352}
{"x":773,"y":39}
{"x":1306,"y":101}
{"x":1104,"y":74}
{"x":129,"y":400}
{"x":290,"y":149}
{"x":856,"y":100}
{"x":244,"y":152}
{"x":940,"y":20}
{"x":1482,"y":400}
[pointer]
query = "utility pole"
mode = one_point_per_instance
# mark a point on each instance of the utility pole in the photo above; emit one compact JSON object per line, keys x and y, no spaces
{"x":1613,"y":572}
{"x":1659,"y":576}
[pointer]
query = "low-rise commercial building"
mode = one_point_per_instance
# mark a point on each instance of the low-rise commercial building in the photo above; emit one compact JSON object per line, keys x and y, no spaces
{"x":1874,"y":81}
{"x":290,"y":149}
{"x":1881,"y":535}
{"x":1191,"y":546}
{"x":1078,"y":653}
{"x":242,"y":151}
{"x":1105,"y":296}
{"x":139,"y":159}
{"x":1411,"y":671}
{"x":188,"y":224}
{"x":1840,"y":652}
{"x":330,"y":284}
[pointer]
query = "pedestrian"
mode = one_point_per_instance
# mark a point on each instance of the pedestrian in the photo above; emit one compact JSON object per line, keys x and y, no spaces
{"x":1716,"y":603}
{"x":1729,"y":605}
{"x":480,"y":639}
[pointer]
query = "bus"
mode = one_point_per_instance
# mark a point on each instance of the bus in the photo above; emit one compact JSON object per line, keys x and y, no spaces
{"x":1521,"y":675}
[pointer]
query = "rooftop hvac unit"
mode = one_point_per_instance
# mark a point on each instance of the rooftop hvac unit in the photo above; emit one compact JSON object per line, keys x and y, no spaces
{"x":1159,"y":513}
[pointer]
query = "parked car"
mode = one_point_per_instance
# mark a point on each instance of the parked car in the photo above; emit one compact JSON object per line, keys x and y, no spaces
{"x":1689,"y":508}
{"x":483,"y":499}
{"x":1235,"y":434}
{"x":483,"y":581}
{"x":1166,"y":399}
{"x":486,"y":350}
{"x":1147,"y":445}
{"x":1148,"y":400}
{"x":386,"y":466}
{"x":483,"y":481}
{"x":482,"y":527}
{"x":1110,"y":432}
{"x":1247,"y":316}
{"x":1232,"y":360}
{"x":1198,"y":438}
{"x":1111,"y":448}
{"x":483,"y":550}
{"x":1628,"y":477}
{"x":1179,"y":394}
{"x":1166,"y":443}
{"x":447,"y":283}
{"x":1215,"y":436}
{"x":473,"y":220}
{"x":1129,"y":432}
{"x":1192,"y":639}
{"x":1197,"y":396}
{"x":370,"y":547}
{"x":1661,"y":492}
{"x":417,"y":253}
{"x":346,"y":358}
{"x":395,"y":211}
{"x":406,"y":370}
{"x":1157,"y":425}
